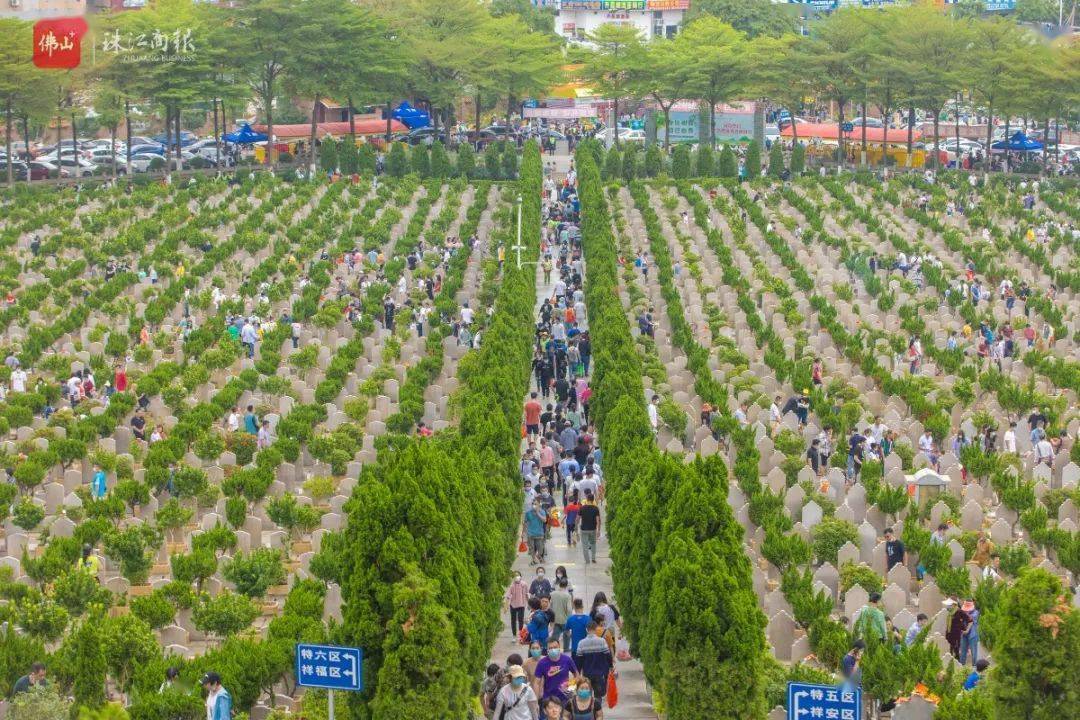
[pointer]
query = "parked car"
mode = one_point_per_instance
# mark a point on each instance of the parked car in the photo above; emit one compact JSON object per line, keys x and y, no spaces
{"x":153,"y":148}
{"x":625,"y":135}
{"x":78,"y":166}
{"x":186,"y":138}
{"x":871,"y":122}
{"x":209,"y":154}
{"x":477,"y":138}
{"x":45,"y":169}
{"x":19,"y":170}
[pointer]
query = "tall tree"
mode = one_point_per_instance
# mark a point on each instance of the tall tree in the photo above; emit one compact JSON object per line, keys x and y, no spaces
{"x":523,"y":62}
{"x":338,"y":44}
{"x":443,"y":41}
{"x":997,"y":56}
{"x":22,"y":85}
{"x":935,"y":48}
{"x":716,"y":64}
{"x":753,"y":17}
{"x":657,"y":73}
{"x":259,"y":34}
{"x":609,"y":67}
{"x":1036,"y":671}
{"x":775,"y":72}
{"x":836,"y":49}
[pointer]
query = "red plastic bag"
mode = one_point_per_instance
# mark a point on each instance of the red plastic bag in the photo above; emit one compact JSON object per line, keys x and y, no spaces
{"x":522,"y":546}
{"x":612,"y":691}
{"x":523,"y":636}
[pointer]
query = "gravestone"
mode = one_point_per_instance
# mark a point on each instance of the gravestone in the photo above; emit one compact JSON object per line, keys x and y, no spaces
{"x":854,"y":599}
{"x":781,"y":633}
{"x":811,"y":514}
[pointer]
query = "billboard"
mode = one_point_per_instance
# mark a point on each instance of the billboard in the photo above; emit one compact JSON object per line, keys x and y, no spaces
{"x":732,"y":122}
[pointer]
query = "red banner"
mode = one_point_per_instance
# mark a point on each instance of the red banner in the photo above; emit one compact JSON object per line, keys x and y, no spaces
{"x":58,"y":42}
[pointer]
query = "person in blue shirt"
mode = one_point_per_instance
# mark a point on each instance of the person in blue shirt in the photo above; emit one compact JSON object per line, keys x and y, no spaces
{"x":977,"y":675}
{"x":251,"y":421}
{"x":100,"y":485}
{"x":535,"y":526}
{"x":218,"y":699}
{"x":539,"y":621}
{"x":577,"y":626}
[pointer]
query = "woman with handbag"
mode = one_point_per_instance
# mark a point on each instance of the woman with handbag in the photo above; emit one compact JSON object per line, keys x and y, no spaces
{"x":517,"y":701}
{"x":583,"y":703}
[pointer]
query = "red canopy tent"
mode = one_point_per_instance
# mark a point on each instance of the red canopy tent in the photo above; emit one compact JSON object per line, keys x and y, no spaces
{"x":831,"y":131}
{"x":337,"y":129}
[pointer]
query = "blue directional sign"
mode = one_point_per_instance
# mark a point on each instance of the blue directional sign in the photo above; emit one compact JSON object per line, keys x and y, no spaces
{"x":823,"y":702}
{"x":847,"y":127}
{"x":329,"y":667}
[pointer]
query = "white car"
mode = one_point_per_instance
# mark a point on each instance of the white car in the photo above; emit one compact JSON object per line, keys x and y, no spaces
{"x":209,"y":154}
{"x":79,"y":167}
{"x":625,"y":135}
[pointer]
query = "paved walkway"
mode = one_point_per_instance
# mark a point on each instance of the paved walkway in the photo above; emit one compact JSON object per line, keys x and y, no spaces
{"x":635,"y":701}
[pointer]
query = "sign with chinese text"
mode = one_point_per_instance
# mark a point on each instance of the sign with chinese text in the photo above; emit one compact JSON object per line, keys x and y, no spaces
{"x":57,"y":42}
{"x":158,"y":46}
{"x":667,"y":4}
{"x":329,"y":667}
{"x":602,"y":4}
{"x":824,"y":702}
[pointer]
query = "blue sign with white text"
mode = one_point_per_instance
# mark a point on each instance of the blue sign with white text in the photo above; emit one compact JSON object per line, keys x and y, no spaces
{"x":823,"y":702}
{"x":329,"y":667}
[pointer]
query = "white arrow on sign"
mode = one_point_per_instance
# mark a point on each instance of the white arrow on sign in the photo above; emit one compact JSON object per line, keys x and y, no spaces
{"x":351,"y":673}
{"x":800,"y":711}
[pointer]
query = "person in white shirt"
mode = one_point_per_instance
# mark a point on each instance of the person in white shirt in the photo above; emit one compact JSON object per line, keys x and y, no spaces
{"x":466,"y":314}
{"x":878,"y":430}
{"x":1008,"y":441}
{"x":740,"y":414}
{"x":654,"y":414}
{"x":233,"y":422}
{"x":774,"y":412}
{"x":18,"y":380}
{"x":1044,"y":451}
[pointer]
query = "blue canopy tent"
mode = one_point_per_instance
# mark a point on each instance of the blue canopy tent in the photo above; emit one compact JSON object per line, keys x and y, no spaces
{"x":245,"y":136}
{"x":411,"y":117}
{"x":1019,"y":142}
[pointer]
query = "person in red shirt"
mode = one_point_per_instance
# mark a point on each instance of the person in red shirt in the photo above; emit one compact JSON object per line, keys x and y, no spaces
{"x":532,"y":415}
{"x":120,"y":379}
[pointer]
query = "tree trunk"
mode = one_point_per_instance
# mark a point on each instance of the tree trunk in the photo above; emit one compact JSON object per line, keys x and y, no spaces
{"x":1057,"y":137}
{"x":7,"y":144}
{"x":1005,"y":157}
{"x":615,"y":118}
{"x":1045,"y":149}
{"x":75,"y":146}
{"x":864,"y":133}
{"x":989,"y":136}
{"x":26,"y":140}
{"x":217,"y":136}
{"x":840,"y":157}
{"x":712,"y":126}
{"x":937,"y":154}
{"x":476,"y":139}
{"x":127,"y":135}
{"x":509,"y":104}
{"x":667,"y":127}
{"x":390,"y":119}
{"x":112,"y":140}
{"x":271,"y":152}
{"x":957,"y":121}
{"x":179,"y":145}
{"x":59,"y":128}
{"x":352,"y":122}
{"x":311,"y":139}
{"x":910,"y":132}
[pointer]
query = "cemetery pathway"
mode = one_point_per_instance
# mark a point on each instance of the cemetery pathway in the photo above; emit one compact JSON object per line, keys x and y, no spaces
{"x":635,"y":698}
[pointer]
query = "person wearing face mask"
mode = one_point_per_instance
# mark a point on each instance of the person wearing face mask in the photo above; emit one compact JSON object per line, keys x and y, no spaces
{"x":594,"y":658}
{"x":517,"y":596}
{"x":583,"y":704}
{"x":540,"y":586}
{"x":555,"y":671}
{"x":517,"y":701}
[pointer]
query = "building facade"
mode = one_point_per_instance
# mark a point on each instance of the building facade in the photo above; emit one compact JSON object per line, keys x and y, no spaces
{"x":41,"y":9}
{"x":575,"y":19}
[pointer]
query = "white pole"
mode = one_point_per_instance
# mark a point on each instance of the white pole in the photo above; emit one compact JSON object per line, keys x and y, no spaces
{"x":518,"y":246}
{"x":330,"y":704}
